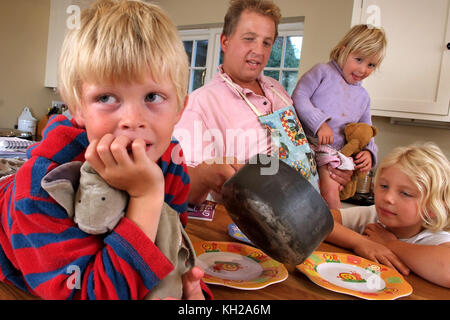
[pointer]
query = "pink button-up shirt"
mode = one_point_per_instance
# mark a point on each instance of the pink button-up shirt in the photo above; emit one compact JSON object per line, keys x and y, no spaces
{"x":218,"y":122}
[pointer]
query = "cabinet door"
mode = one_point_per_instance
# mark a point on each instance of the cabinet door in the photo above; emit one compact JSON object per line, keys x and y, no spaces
{"x":415,"y":75}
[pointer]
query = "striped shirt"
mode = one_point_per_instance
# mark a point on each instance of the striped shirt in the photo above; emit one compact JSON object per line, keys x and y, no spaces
{"x":44,"y":253}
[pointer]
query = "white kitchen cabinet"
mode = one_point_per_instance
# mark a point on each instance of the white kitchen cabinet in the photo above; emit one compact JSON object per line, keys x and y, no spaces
{"x":56,"y":32}
{"x":414,"y":79}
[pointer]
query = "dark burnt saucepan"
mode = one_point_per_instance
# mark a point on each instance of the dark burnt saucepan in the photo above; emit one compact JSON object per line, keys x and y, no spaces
{"x":281,"y":213}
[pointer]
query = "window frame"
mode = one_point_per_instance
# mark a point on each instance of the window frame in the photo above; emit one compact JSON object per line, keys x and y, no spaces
{"x":197,"y":34}
{"x":286,"y":30}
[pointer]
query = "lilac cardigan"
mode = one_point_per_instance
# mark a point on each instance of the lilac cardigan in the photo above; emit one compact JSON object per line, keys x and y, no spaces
{"x":322,"y":94}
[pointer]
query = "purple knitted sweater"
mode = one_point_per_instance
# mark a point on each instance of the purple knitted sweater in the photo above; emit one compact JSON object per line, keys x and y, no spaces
{"x":322,"y":94}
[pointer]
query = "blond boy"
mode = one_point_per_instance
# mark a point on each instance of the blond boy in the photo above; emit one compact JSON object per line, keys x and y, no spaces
{"x":123,"y":74}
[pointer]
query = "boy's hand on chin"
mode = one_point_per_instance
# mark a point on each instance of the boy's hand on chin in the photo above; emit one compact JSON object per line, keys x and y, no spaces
{"x":124,"y":164}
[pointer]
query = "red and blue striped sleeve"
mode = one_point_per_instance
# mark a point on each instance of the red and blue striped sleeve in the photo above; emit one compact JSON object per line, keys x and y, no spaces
{"x":177,"y":180}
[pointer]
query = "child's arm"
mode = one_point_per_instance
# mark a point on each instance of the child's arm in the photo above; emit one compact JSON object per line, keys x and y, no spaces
{"x":310,"y":116}
{"x":325,"y":134}
{"x":361,"y":245}
{"x":429,"y":262}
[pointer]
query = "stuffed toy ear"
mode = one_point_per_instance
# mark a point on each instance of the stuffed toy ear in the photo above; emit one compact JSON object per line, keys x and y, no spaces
{"x":375,"y":131}
{"x":61,"y":184}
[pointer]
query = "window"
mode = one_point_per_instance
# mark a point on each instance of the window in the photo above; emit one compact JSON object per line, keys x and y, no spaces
{"x":197,"y":53}
{"x":203,"y":49}
{"x":285,"y":59}
{"x":200,"y":45}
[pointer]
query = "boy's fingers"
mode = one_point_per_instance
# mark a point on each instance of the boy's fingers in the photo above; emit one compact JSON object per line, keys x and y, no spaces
{"x":191,"y":284}
{"x":104,"y":151}
{"x":196,"y":274}
{"x":121,"y":149}
{"x":92,"y":157}
{"x":139,"y":150}
{"x":193,"y":275}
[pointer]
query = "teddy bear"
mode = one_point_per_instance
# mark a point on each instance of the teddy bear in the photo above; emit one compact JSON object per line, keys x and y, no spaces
{"x":97,"y":208}
{"x":357,"y":136}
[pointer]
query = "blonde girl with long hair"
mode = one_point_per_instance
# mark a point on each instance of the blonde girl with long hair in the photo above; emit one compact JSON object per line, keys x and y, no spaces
{"x":409,"y":225}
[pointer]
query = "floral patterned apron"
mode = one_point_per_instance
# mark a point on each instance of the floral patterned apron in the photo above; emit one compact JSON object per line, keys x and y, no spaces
{"x":288,"y":138}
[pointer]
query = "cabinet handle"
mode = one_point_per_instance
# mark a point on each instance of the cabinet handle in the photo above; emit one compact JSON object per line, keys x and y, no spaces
{"x":448,"y":46}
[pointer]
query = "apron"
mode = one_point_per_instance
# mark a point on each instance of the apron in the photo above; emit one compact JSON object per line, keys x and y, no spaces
{"x":289,"y":141}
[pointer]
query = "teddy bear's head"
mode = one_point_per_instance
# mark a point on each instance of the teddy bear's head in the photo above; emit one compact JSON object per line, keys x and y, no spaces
{"x":358,"y":136}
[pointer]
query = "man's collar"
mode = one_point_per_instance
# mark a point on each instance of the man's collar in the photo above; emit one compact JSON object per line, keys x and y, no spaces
{"x":261,"y":79}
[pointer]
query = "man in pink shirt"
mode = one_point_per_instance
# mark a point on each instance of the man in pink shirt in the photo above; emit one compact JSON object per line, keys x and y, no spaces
{"x":218,"y":130}
{"x":223,"y":125}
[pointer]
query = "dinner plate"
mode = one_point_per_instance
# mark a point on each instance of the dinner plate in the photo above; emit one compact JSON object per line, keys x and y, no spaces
{"x":356,"y":276}
{"x":237,"y":265}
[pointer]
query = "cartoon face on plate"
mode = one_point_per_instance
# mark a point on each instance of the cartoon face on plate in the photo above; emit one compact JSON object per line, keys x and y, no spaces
{"x":230,"y":266}
{"x":351,"y":277}
{"x":375,"y":268}
{"x":329,"y":257}
{"x":226,"y":265}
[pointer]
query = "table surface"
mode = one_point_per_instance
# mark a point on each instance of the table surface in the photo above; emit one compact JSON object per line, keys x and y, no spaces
{"x":296,"y":287}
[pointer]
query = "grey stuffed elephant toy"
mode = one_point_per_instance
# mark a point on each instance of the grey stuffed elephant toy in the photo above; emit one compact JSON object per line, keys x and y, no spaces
{"x":94,"y":205}
{"x":97,"y":208}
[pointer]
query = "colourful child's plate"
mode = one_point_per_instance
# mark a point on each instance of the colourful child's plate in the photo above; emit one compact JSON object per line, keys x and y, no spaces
{"x":356,"y":276}
{"x":237,"y":265}
{"x":235,"y":232}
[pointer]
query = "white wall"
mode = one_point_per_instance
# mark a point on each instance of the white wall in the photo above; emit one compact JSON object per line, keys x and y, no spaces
{"x":391,"y":135}
{"x":23,"y":42}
